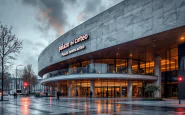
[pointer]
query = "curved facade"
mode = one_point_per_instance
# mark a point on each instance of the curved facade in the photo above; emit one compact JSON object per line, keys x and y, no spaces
{"x":118,"y":52}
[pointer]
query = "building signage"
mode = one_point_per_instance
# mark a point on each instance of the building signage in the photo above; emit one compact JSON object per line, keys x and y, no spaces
{"x":69,"y":44}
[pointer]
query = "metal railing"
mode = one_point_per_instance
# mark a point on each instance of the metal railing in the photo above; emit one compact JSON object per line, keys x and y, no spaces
{"x":87,"y":70}
{"x":83,"y":70}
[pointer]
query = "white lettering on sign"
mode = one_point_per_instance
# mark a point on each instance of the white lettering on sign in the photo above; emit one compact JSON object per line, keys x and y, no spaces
{"x":63,"y":46}
{"x":65,"y":53}
{"x":73,"y":50}
{"x":81,"y":38}
{"x":75,"y":41}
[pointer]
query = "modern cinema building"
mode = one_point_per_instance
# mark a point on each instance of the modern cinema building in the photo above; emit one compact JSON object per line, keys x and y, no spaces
{"x":119,"y":51}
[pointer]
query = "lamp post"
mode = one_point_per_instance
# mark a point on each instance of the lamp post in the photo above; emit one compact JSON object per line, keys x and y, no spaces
{"x":179,"y":80}
{"x":16,"y":77}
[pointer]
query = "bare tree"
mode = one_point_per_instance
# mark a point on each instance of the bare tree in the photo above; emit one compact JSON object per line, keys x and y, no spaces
{"x":28,"y":76}
{"x":10,"y":45}
{"x":7,"y":80}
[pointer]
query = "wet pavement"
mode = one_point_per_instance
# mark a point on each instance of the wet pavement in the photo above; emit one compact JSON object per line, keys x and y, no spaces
{"x":80,"y":106}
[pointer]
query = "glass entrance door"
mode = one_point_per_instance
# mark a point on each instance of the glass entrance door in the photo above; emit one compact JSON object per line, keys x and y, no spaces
{"x":107,"y":91}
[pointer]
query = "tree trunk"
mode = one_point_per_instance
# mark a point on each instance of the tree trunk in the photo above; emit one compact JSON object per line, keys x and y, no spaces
{"x":29,"y":89}
{"x":2,"y":74}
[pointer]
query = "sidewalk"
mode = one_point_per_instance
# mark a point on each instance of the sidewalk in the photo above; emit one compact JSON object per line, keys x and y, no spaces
{"x":172,"y":103}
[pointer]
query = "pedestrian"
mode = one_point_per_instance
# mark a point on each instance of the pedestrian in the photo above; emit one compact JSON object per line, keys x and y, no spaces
{"x":117,"y":94}
{"x":14,"y":95}
{"x":91,"y":93}
{"x":76,"y":93}
{"x":86,"y":93}
{"x":58,"y":95}
{"x":107,"y":94}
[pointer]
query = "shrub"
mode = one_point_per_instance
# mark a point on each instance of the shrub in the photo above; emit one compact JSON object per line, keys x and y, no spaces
{"x":37,"y":94}
{"x":151,"y":88}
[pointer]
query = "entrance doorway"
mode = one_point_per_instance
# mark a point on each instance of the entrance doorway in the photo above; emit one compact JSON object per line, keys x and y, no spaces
{"x":107,"y":92}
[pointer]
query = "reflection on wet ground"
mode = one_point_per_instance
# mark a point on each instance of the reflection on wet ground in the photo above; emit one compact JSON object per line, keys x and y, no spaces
{"x":50,"y":106}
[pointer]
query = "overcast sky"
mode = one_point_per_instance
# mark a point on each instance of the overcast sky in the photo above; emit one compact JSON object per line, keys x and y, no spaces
{"x":39,"y":22}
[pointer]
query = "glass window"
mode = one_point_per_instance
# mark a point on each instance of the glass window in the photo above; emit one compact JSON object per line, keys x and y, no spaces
{"x":84,"y":63}
{"x":137,"y":89}
{"x":174,"y":52}
{"x":121,"y":66}
{"x":134,"y":67}
{"x":141,"y":69}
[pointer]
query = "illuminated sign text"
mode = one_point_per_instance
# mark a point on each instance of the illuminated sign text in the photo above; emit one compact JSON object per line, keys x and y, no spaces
{"x":75,"y":41}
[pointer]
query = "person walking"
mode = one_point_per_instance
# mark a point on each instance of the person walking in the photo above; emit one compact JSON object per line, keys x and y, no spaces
{"x":86,"y":93}
{"x":58,"y":95}
{"x":107,"y":94}
{"x":91,"y":93}
{"x":14,"y":95}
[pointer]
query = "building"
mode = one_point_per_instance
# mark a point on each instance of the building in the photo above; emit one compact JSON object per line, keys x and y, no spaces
{"x":119,"y":51}
{"x":40,"y":88}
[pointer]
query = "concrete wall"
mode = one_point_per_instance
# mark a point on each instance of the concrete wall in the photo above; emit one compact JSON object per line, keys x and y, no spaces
{"x":127,"y":21}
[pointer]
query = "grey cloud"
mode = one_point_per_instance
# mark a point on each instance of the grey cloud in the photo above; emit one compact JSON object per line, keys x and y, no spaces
{"x":91,"y":8}
{"x":53,"y":11}
{"x":30,"y":52}
{"x":40,"y":44}
{"x":92,"y":5}
{"x":42,"y":28}
{"x":31,"y":2}
{"x":27,"y":41}
{"x":71,"y":1}
{"x":33,"y":61}
{"x":35,"y":45}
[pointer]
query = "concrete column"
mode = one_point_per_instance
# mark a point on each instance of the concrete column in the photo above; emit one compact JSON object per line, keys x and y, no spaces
{"x":157,"y":73}
{"x":92,"y":87}
{"x":92,"y":61}
{"x":69,"y":88}
{"x":120,"y":91}
{"x":52,"y":90}
{"x":92,"y":66}
{"x":58,"y":86}
{"x":129,"y":89}
{"x":129,"y":66}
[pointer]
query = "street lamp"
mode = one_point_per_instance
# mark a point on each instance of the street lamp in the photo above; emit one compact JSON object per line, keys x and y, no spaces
{"x":16,"y":77}
{"x":179,"y":80}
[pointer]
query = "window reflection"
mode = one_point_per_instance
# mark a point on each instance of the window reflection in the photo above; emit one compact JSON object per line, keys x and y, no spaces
{"x":169,"y":69}
{"x":100,"y":66}
{"x":102,"y":88}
